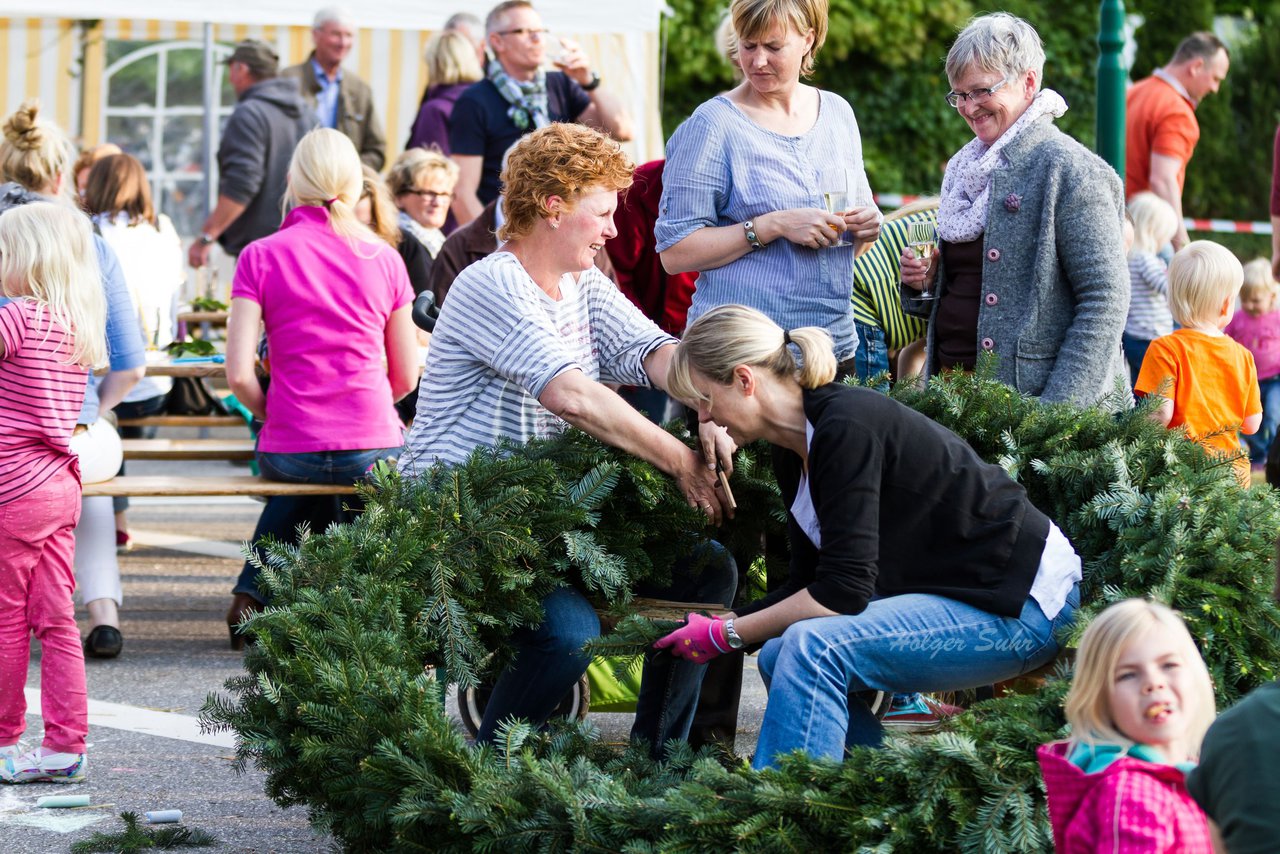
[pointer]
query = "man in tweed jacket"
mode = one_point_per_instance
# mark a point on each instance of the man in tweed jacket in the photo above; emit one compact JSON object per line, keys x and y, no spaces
{"x":340,"y":99}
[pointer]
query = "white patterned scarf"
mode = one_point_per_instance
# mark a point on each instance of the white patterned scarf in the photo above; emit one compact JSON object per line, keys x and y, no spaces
{"x":431,"y":238}
{"x":966,"y":187}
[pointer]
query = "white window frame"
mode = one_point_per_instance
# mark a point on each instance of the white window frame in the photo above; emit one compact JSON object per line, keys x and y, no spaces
{"x":159,"y":175}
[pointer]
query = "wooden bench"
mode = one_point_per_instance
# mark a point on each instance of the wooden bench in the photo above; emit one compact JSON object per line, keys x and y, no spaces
{"x":221,"y":485}
{"x":720,"y":724}
{"x":217,"y":318}
{"x":184,"y":421}
{"x":1029,"y":683}
{"x":658,"y":609}
{"x":188,"y":449}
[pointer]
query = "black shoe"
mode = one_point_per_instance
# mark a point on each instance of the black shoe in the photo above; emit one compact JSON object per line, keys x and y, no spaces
{"x":103,"y":642}
{"x":242,"y":605}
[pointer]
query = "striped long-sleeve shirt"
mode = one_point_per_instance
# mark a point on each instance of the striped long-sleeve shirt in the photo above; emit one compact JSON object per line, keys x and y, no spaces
{"x":876,"y":299}
{"x":1149,"y":315}
{"x":39,"y":398}
{"x":501,"y":339}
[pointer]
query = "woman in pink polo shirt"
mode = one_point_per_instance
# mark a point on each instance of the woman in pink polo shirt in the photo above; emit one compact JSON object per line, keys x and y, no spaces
{"x":335,"y":303}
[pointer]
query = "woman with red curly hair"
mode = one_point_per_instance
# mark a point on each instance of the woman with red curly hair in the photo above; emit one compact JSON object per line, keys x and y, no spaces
{"x":522,"y":349}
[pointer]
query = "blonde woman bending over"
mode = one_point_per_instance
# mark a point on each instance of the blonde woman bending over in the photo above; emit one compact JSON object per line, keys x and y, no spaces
{"x":915,"y":566}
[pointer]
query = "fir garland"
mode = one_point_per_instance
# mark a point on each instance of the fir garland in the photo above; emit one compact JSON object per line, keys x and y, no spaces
{"x":338,"y":710}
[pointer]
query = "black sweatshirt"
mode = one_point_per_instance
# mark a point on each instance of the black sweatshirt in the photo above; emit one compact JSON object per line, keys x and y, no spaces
{"x":904,"y":506}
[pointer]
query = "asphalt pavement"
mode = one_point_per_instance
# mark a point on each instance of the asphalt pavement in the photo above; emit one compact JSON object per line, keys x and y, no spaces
{"x":145,"y":749}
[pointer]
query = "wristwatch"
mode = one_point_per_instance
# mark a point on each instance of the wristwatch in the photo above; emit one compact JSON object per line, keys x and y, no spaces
{"x":207,"y":239}
{"x":750,"y":228}
{"x":731,"y":635}
{"x":592,"y":84}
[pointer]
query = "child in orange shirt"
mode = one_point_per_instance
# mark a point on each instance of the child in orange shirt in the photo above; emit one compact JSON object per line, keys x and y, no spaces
{"x":1214,"y":384}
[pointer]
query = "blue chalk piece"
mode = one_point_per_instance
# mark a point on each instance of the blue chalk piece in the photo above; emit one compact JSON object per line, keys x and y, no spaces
{"x":63,"y":801}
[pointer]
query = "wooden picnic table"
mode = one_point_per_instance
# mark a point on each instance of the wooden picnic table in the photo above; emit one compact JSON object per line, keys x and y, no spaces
{"x":188,"y":449}
{"x":183,"y":421}
{"x":159,"y":365}
{"x":214,"y":317}
{"x":221,"y":485}
{"x":169,"y":368}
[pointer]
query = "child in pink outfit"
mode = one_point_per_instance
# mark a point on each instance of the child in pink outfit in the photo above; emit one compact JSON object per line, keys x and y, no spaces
{"x":1139,"y":706}
{"x":1257,"y":327}
{"x":52,"y":331}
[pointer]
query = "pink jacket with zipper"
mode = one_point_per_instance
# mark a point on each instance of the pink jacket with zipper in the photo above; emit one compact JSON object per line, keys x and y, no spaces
{"x":1128,"y":807}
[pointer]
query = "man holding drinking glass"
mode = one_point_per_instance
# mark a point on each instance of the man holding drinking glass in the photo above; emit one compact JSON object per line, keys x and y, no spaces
{"x":519,"y":96}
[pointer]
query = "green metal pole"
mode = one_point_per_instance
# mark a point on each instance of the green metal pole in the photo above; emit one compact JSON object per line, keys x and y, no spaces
{"x":1111,"y":81}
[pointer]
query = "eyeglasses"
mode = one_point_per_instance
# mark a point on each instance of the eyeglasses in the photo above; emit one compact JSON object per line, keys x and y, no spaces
{"x":977,"y":97}
{"x":430,"y":195}
{"x":539,"y":32}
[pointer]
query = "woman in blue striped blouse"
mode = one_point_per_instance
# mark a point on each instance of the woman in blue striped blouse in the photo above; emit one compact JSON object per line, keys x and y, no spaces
{"x":742,"y":203}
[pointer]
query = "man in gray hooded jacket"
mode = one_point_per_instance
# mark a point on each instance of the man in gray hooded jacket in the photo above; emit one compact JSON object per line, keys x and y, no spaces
{"x":253,"y":159}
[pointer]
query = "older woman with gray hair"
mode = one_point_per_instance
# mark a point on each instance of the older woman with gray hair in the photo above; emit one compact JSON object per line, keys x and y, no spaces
{"x":1030,"y":264}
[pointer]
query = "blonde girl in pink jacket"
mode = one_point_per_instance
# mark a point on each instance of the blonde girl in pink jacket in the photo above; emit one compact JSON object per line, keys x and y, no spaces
{"x":1138,"y":707}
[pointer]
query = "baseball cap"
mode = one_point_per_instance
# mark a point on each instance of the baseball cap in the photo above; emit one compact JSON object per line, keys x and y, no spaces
{"x":257,"y":56}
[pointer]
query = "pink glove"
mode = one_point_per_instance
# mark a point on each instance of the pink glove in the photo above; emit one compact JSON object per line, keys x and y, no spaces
{"x":699,"y":640}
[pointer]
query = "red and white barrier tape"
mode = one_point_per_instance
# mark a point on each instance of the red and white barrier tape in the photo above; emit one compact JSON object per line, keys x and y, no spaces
{"x":1215,"y":226}
{"x":893,"y":200}
{"x":1226,"y":226}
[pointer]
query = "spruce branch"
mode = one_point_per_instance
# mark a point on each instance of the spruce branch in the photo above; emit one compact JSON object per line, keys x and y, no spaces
{"x":135,"y":838}
{"x":338,"y":710}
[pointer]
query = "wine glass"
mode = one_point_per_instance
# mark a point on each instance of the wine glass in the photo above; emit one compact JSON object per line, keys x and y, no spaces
{"x":922,"y":237}
{"x":834,"y":186}
{"x":554,"y":51}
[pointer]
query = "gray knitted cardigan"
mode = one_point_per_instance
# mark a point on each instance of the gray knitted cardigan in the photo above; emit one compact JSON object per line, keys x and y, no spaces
{"x":1055,"y":289}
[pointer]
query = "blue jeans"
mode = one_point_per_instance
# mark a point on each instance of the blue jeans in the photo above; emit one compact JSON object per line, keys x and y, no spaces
{"x":549,"y":658}
{"x":1259,"y":443}
{"x":913,"y":642}
{"x":283,"y":514}
{"x":872,"y":356}
{"x":1135,"y":350}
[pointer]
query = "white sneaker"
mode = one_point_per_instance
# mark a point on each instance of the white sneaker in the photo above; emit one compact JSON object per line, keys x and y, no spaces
{"x":31,"y":767}
{"x":13,"y":751}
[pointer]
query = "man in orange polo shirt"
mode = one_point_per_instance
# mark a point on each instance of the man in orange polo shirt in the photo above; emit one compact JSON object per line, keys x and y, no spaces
{"x":1162,"y":130}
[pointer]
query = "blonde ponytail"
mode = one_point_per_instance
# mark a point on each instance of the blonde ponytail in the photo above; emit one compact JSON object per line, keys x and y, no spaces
{"x":47,"y":254}
{"x":326,"y":172}
{"x":732,"y":335}
{"x":817,"y":358}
